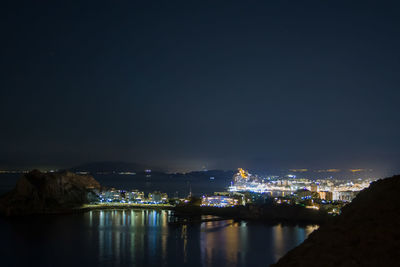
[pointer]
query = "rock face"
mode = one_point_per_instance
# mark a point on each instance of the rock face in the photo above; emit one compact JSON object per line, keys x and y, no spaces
{"x":41,"y":193}
{"x":367,"y":233}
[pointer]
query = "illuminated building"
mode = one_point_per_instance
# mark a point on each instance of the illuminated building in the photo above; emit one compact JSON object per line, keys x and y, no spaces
{"x":158,"y":197}
{"x":219,"y":201}
{"x":347,"y":196}
{"x":135,"y":196}
{"x":326,"y":195}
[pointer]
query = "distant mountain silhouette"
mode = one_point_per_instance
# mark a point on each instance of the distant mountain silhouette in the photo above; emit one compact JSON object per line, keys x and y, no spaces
{"x":367,"y":233}
{"x":114,"y":166}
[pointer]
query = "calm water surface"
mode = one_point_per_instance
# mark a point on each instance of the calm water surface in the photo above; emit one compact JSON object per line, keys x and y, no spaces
{"x":141,"y":238}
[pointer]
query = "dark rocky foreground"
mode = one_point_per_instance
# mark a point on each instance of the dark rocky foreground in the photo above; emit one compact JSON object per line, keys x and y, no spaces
{"x":367,"y":233}
{"x":44,"y":193}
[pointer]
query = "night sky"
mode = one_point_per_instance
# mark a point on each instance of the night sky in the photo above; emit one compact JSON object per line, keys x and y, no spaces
{"x":258,"y":84}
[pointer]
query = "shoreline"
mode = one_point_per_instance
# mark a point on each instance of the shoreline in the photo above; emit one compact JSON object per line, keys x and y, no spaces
{"x":184,"y":218}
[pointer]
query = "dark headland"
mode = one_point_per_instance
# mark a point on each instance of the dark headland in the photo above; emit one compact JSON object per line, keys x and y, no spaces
{"x":367,"y":233}
{"x":46,"y":193}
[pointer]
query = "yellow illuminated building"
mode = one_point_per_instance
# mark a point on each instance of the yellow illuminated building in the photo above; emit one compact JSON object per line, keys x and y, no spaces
{"x":244,"y":174}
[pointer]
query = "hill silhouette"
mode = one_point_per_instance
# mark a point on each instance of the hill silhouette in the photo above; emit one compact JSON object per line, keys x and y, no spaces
{"x":367,"y":233}
{"x":43,"y":193}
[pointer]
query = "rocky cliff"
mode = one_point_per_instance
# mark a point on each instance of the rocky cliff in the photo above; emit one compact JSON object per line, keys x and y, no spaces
{"x":40,"y":193}
{"x":367,"y":233}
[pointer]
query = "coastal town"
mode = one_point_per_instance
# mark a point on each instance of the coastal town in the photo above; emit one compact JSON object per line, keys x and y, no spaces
{"x":329,"y":195}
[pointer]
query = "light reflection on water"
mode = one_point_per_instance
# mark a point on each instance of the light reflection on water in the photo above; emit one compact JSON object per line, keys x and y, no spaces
{"x":226,"y":242}
{"x":145,"y":238}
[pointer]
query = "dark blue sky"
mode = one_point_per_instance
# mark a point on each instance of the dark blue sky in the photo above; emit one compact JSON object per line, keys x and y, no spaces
{"x":258,"y":84}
